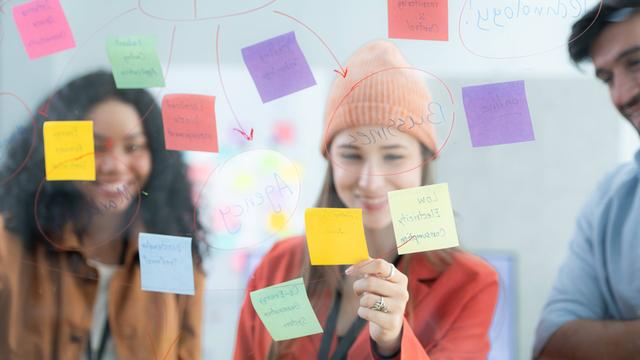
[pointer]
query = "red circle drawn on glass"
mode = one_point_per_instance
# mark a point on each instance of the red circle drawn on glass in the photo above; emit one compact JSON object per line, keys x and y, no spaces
{"x":58,"y":246}
{"x":220,"y":169}
{"x":33,"y":137}
{"x":355,"y":86}
{"x":195,"y":12}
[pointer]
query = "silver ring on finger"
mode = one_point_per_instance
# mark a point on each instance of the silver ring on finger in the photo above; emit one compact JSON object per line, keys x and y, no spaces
{"x":380,"y":305}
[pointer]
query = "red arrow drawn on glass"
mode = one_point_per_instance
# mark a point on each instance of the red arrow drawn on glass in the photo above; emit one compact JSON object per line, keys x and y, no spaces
{"x":224,"y":91}
{"x":343,"y":70}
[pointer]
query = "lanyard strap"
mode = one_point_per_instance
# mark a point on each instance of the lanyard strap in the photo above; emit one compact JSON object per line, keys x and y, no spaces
{"x":106,"y":332}
{"x":330,"y":327}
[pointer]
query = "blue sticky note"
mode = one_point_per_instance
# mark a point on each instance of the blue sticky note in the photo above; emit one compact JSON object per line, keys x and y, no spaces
{"x":497,"y":113}
{"x":278,"y":67}
{"x":166,"y":264}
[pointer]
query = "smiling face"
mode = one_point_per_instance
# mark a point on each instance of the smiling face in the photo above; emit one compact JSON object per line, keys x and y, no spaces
{"x":363,"y":173}
{"x":616,"y":56}
{"x":123,"y":160}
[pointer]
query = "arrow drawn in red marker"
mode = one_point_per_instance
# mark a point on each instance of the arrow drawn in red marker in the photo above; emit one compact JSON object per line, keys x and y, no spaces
{"x":224,"y":91}
{"x":343,"y":70}
{"x":248,"y":137}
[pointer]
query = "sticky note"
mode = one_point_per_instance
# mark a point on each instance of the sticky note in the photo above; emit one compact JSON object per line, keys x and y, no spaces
{"x":135,"y":62}
{"x":68,"y":150}
{"x":497,"y":113}
{"x":418,"y":19}
{"x":335,"y":236}
{"x":189,"y":122}
{"x":285,"y":310}
{"x":166,"y":263}
{"x":423,"y":218}
{"x":43,"y":27}
{"x":278,"y":67}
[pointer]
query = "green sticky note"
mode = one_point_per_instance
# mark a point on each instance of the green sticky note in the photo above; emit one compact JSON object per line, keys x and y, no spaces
{"x":285,"y":310}
{"x":134,"y":62}
{"x":423,"y":218}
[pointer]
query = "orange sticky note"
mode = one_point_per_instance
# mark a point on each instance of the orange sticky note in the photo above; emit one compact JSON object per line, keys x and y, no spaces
{"x":68,"y":150}
{"x":418,"y":19}
{"x":43,"y":27}
{"x":189,"y":122}
{"x":335,"y":236}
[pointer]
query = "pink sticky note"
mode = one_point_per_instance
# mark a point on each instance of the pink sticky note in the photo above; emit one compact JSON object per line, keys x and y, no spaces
{"x":43,"y":27}
{"x":418,"y":19}
{"x":189,"y":122}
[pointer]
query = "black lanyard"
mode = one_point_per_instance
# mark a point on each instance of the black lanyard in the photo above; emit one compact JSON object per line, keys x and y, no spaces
{"x":330,"y":328}
{"x":106,"y":332}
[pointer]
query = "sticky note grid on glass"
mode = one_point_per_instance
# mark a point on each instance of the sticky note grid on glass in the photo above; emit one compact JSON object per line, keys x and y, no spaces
{"x":418,"y":19}
{"x":423,"y":218}
{"x":166,"y":263}
{"x":285,"y":310}
{"x":335,"y":236}
{"x":497,"y":113}
{"x":135,"y":62}
{"x":278,"y":67}
{"x":69,"y":150}
{"x":43,"y":27}
{"x":189,"y":122}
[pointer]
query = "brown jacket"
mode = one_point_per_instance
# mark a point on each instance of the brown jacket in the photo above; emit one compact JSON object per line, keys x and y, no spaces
{"x":47,"y":299}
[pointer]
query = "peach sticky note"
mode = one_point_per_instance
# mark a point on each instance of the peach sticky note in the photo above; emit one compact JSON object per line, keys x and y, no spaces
{"x":68,"y":150}
{"x":423,"y":218}
{"x":189,"y":122}
{"x":43,"y":27}
{"x":418,"y":19}
{"x":335,"y":236}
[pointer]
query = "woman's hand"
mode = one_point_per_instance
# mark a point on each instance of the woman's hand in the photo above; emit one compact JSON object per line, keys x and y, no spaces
{"x":381,"y":280}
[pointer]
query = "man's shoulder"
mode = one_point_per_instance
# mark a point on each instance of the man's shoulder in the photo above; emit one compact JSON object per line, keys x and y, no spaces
{"x":618,"y":182}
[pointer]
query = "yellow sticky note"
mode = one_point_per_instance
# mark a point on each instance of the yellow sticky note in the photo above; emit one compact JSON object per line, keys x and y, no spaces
{"x":423,"y":218}
{"x":68,"y":150}
{"x":335,"y":236}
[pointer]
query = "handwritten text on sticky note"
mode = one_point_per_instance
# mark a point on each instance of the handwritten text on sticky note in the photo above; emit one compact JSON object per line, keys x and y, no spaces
{"x":135,"y":62}
{"x":166,"y":263}
{"x":278,"y":67}
{"x":285,"y":310}
{"x":418,"y":19}
{"x":497,"y":113}
{"x":189,"y":122}
{"x":68,"y":150}
{"x":423,"y":218}
{"x":335,"y":236}
{"x":43,"y":27}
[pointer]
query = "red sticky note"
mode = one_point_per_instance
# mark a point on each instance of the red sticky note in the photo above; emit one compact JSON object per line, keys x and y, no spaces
{"x":43,"y":27}
{"x":189,"y":122}
{"x":419,"y":19}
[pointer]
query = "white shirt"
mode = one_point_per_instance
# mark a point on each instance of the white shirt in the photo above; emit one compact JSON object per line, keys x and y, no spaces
{"x":101,"y":310}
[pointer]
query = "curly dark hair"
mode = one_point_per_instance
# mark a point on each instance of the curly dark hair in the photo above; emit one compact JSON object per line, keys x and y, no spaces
{"x":587,"y":29}
{"x":168,"y":209}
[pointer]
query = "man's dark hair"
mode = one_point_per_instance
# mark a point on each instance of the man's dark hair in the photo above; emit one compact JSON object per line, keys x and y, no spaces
{"x":585,"y":31}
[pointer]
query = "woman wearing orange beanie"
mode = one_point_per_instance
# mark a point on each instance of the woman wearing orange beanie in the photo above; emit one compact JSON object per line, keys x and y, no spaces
{"x":435,"y":305}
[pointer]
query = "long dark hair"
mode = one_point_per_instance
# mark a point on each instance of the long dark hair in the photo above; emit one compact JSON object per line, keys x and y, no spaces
{"x":168,"y":208}
{"x":322,"y":282}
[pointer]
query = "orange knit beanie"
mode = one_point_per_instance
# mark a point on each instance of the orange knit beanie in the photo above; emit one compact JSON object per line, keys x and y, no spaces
{"x":381,"y":88}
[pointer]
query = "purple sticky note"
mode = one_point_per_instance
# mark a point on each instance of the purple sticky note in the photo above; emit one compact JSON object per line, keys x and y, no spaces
{"x":278,"y":67}
{"x":497,"y":113}
{"x":43,"y":27}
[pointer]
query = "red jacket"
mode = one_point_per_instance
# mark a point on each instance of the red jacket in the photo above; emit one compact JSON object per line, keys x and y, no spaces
{"x":451,"y":316}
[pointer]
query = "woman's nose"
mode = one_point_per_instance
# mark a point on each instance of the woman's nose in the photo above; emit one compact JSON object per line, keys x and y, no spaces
{"x":370,"y":177}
